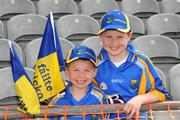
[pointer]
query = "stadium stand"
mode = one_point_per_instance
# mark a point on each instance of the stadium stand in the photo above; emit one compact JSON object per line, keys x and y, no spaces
{"x":94,"y":43}
{"x":58,"y":7}
{"x":10,"y":8}
{"x":1,"y":29}
{"x":170,"y":6}
{"x":26,"y":27}
{"x":140,"y":8}
{"x":8,"y":95}
{"x":163,"y":77}
{"x":97,"y":8}
{"x":77,"y":27}
{"x":137,"y":26}
{"x":162,"y":50}
{"x":32,"y":50}
{"x":174,"y":81}
{"x":5,"y":53}
{"x":164,"y":24}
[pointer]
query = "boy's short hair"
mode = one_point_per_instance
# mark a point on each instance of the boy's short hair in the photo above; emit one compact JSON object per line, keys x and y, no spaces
{"x":115,"y":20}
{"x":81,"y":52}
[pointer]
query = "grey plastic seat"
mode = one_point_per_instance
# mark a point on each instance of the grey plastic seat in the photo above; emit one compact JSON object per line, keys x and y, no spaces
{"x":9,"y":8}
{"x":94,"y":43}
{"x":5,"y":53}
{"x":140,"y":8}
{"x":1,"y":29}
{"x":170,"y":6}
{"x":174,"y":81}
{"x":137,"y":26}
{"x":163,"y":77}
{"x":97,"y":8}
{"x":168,"y":25}
{"x":162,"y":50}
{"x":77,"y":27}
{"x":8,"y":95}
{"x":58,"y":7}
{"x":24,"y":28}
{"x":32,"y":50}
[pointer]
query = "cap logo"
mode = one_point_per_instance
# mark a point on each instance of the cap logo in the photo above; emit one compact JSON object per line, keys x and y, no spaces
{"x":79,"y":52}
{"x":109,"y":20}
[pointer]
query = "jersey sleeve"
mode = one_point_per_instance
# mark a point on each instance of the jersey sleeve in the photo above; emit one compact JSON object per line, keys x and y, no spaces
{"x":155,"y":84}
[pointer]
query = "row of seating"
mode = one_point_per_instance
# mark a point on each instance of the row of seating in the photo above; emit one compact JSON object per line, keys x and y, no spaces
{"x":88,"y":7}
{"x":163,"y":51}
{"x":8,"y":95}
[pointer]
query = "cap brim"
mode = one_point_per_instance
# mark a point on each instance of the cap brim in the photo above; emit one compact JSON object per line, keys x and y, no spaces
{"x":113,"y":27}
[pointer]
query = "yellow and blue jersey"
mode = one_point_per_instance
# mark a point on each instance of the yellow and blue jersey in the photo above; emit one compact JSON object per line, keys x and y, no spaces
{"x":134,"y":77}
{"x":93,"y":96}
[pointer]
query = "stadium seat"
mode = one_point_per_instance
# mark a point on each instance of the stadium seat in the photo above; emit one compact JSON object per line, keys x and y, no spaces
{"x":140,"y":8}
{"x":137,"y":26}
{"x":77,"y":27}
{"x":24,"y":28}
{"x":58,"y":7}
{"x":5,"y":53}
{"x":170,"y":6}
{"x":32,"y":50}
{"x":94,"y":43}
{"x":162,"y":76}
{"x":174,"y":81}
{"x":8,"y":95}
{"x":97,"y":8}
{"x":10,"y":8}
{"x":162,"y":50}
{"x":164,"y":24}
{"x":1,"y":29}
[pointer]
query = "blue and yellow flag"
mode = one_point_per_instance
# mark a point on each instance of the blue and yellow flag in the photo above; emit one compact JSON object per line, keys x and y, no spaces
{"x":47,"y":78}
{"x":26,"y":93}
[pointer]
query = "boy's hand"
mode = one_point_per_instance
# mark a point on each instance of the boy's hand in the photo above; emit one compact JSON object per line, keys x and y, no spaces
{"x":132,"y":107}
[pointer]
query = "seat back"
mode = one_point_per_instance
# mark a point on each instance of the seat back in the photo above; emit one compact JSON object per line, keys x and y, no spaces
{"x":32,"y":50}
{"x":140,"y":8}
{"x":58,"y":7}
{"x":5,"y":53}
{"x":77,"y":27}
{"x":8,"y":95}
{"x":97,"y":8}
{"x":170,"y":6}
{"x":174,"y":81}
{"x":137,"y":26}
{"x":94,"y":43}
{"x":162,"y":50}
{"x":24,"y":28}
{"x":1,"y":29}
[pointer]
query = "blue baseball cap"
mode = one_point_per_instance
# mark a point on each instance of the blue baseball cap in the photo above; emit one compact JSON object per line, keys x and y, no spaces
{"x":115,"y":20}
{"x":81,"y":52}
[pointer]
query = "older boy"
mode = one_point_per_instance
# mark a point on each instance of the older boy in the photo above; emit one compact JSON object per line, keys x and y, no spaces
{"x":124,"y":74}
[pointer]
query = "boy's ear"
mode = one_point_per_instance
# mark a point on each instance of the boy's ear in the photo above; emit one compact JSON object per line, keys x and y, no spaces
{"x":129,"y":35}
{"x":95,"y":72}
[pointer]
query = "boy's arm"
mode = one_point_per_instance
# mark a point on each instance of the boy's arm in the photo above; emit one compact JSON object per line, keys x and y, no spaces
{"x":133,"y":106}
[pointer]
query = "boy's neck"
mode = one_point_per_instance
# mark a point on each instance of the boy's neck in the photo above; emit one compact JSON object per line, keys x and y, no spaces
{"x":78,"y":93}
{"x":120,"y":57}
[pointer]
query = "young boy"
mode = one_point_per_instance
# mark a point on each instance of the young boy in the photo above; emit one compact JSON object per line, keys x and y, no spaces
{"x":81,"y":71}
{"x":124,"y":74}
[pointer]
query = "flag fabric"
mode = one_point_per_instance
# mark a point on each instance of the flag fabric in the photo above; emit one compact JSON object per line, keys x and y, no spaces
{"x":47,"y":79}
{"x":26,"y":93}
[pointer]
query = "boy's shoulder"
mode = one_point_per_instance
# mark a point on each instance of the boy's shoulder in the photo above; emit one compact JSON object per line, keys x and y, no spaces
{"x":140,"y":55}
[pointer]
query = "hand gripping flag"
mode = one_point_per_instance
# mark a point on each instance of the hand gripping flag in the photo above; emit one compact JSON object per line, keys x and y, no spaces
{"x":26,"y":93}
{"x":47,"y":78}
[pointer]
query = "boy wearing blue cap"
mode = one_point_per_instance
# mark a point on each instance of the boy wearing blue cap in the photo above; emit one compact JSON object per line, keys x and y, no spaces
{"x":124,"y":74}
{"x":81,"y":70}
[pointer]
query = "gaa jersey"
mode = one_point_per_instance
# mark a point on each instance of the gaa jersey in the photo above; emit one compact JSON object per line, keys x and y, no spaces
{"x":93,"y":96}
{"x":135,"y":76}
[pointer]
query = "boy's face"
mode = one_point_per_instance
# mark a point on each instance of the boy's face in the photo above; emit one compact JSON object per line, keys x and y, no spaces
{"x":81,"y":73}
{"x":115,"y":42}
